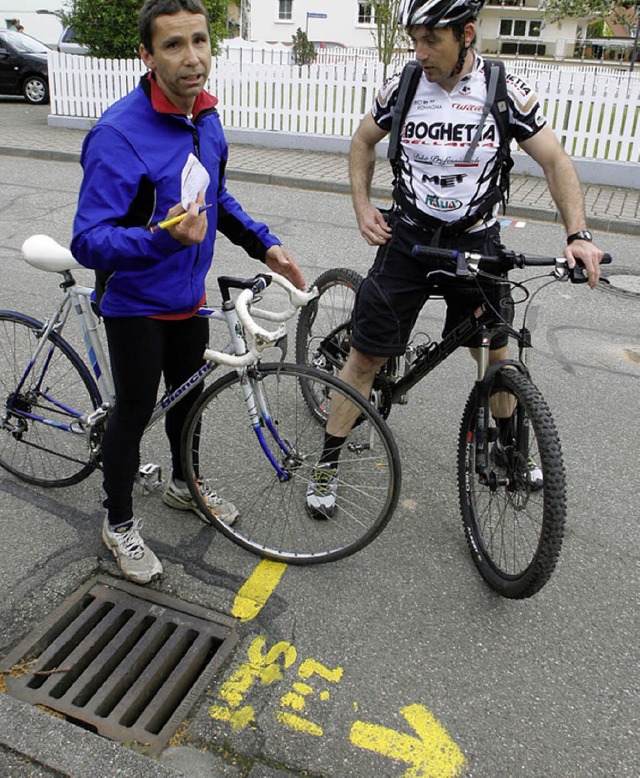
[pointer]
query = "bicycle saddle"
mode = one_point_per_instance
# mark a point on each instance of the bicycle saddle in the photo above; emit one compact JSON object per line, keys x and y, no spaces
{"x":44,"y":253}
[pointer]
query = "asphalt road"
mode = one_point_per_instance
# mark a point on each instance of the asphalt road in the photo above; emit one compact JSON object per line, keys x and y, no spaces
{"x":399,"y":656}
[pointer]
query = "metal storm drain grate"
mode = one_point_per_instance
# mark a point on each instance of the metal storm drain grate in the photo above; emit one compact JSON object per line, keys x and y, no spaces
{"x":125,"y":661}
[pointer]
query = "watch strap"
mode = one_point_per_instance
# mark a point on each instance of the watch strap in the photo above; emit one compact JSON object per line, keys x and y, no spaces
{"x":580,"y":235}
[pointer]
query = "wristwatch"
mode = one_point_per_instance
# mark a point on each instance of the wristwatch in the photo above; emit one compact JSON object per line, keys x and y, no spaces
{"x":580,"y":235}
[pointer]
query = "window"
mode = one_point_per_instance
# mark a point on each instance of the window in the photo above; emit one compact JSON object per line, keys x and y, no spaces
{"x":365,"y":13}
{"x":285,"y":10}
{"x":520,"y":28}
{"x":535,"y":27}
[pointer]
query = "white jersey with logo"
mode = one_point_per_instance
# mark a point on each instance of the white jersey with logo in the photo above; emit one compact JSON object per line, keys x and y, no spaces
{"x":439,"y":127}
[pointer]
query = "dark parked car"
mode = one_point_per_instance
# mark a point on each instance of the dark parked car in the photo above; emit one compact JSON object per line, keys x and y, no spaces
{"x":23,"y":67}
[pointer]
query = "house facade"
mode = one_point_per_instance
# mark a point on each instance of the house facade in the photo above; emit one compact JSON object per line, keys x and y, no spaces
{"x":346,"y":22}
{"x":510,"y":27}
{"x":517,"y":27}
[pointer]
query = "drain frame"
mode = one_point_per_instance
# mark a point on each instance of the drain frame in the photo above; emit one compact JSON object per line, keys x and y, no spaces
{"x":122,"y":660}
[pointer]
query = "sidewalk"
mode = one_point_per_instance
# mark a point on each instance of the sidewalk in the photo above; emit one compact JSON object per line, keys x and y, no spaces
{"x":24,"y":131}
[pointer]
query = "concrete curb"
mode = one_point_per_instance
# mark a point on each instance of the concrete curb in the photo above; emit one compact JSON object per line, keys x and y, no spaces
{"x":68,"y":749}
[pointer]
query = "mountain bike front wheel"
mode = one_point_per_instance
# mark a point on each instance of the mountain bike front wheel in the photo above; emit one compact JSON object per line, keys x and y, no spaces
{"x":514,"y":514}
{"x":266,"y":475}
{"x":41,"y":439}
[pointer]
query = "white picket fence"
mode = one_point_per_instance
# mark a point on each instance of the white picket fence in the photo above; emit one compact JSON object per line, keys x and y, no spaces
{"x":594,"y":113}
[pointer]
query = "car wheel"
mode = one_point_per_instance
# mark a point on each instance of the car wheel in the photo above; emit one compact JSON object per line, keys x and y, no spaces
{"x":36,"y":90}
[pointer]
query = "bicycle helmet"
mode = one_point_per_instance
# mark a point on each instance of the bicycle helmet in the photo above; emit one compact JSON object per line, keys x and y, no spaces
{"x":438,"y":13}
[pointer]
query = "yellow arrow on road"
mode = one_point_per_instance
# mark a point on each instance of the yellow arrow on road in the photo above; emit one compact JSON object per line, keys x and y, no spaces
{"x":433,"y":754}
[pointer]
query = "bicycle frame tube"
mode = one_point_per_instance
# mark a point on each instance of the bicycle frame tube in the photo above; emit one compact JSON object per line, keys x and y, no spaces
{"x":167,"y":402}
{"x":435,"y":353}
{"x":89,"y":323}
{"x":55,"y":324}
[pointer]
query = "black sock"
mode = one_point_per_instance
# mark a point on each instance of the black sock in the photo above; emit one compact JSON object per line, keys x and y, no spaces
{"x":331,"y":451}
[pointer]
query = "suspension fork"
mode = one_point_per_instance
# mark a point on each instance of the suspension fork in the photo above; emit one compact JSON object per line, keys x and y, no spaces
{"x":483,"y":414}
{"x":485,"y":434}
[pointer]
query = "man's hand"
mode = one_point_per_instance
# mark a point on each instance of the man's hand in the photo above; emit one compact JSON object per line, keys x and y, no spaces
{"x":372,"y":224}
{"x":193,"y":228}
{"x":280,"y":261}
{"x":590,"y":256}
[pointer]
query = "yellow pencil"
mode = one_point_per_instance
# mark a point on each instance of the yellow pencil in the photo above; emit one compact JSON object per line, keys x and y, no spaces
{"x":163,"y":225}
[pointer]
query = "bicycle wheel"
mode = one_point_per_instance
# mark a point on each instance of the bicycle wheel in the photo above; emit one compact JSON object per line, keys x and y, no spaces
{"x":36,"y":442}
{"x":323,"y":332}
{"x":513,"y":523}
{"x":220,"y":444}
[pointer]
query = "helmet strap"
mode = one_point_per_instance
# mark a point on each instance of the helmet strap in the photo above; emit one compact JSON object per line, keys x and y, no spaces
{"x":460,"y":63}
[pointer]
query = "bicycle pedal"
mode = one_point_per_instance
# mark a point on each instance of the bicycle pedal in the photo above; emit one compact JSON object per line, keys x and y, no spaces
{"x":150,"y":478}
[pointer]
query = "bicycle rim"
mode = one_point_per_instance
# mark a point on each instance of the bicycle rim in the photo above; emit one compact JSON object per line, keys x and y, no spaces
{"x":220,"y":444}
{"x":514,"y":526}
{"x":38,"y":450}
{"x":323,"y":332}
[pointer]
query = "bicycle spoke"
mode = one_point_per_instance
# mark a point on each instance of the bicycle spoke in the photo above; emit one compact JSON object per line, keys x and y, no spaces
{"x":36,"y":441}
{"x":514,"y":525}
{"x":273,"y":518}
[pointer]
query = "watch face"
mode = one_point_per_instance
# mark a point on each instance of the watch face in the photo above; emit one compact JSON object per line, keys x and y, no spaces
{"x":581,"y":235}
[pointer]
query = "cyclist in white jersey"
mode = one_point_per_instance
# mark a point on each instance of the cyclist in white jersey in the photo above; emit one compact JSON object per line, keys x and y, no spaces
{"x":434,"y":176}
{"x":438,"y":193}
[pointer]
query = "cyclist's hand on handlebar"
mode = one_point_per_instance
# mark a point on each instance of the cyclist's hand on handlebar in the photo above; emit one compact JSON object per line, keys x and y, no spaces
{"x":280,"y":261}
{"x":589,"y":255}
{"x":372,"y":224}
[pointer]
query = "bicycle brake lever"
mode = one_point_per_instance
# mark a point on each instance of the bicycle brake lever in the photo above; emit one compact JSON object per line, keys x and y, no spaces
{"x":577,"y":274}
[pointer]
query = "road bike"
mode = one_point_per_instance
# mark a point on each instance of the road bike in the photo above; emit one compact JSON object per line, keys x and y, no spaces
{"x":510,"y":471}
{"x":250,"y":432}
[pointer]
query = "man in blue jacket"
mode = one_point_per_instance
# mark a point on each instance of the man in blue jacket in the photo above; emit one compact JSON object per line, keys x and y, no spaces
{"x":150,"y":282}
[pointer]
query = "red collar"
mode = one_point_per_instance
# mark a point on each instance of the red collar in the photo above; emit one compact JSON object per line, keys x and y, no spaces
{"x":162,"y":104}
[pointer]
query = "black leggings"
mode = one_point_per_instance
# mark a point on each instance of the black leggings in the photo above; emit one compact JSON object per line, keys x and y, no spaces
{"x":141,"y":350}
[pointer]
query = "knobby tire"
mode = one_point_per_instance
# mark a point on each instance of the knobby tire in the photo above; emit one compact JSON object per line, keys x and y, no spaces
{"x":514,"y":529}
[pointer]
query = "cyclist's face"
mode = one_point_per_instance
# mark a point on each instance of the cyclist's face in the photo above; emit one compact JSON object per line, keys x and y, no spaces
{"x":181,"y":58}
{"x":438,"y":50}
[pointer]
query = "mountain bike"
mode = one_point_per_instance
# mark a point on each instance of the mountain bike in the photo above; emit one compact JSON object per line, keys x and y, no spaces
{"x":510,"y":472}
{"x":250,"y":432}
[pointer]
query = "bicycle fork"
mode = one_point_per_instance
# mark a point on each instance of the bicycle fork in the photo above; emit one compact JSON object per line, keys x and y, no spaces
{"x":487,"y":434}
{"x":260,"y":417}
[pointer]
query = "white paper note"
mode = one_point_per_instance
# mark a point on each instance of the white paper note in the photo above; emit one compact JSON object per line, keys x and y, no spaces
{"x":194,"y":179}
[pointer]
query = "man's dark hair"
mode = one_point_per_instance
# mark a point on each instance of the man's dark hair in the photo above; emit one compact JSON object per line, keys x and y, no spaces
{"x":153,"y":8}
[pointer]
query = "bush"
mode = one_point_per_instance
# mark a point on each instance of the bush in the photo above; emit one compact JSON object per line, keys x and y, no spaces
{"x":110,"y":29}
{"x":304,"y":52}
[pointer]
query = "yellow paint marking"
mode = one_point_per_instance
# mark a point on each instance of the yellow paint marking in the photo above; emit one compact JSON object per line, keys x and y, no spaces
{"x":299,"y":724}
{"x":257,"y":589}
{"x":239,"y":719}
{"x":432,"y":754}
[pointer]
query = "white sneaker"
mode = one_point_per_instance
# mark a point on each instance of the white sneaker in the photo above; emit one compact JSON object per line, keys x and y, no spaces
{"x":136,"y":560}
{"x":535,"y":475}
{"x":179,"y":497}
{"x":322,"y":492}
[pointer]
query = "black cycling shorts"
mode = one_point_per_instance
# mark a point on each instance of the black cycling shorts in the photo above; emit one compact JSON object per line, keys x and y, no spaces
{"x":398,"y":285}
